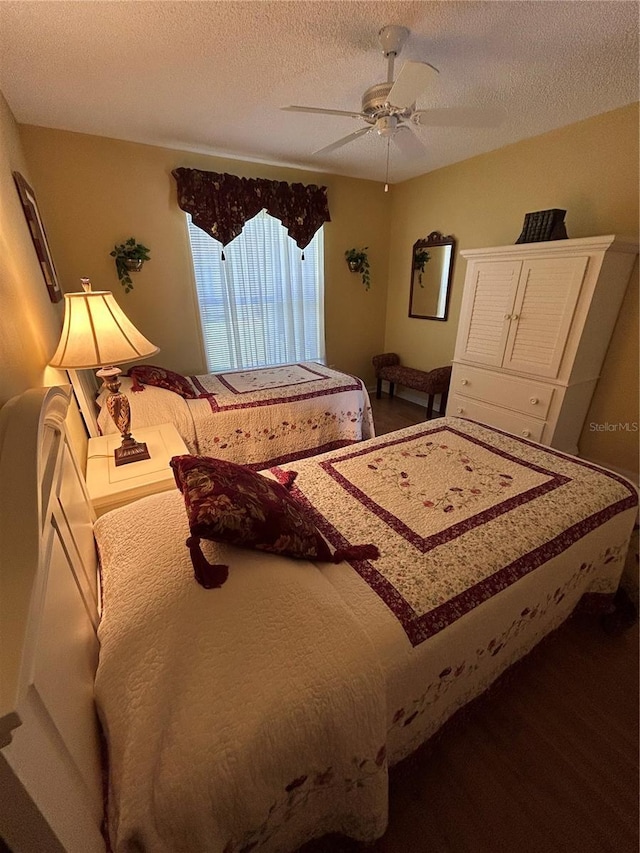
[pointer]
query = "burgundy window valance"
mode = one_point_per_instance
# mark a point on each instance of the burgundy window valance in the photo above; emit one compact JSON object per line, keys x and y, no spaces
{"x":220,"y":204}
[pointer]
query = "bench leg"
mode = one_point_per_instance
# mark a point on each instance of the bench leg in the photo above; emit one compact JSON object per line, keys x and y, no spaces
{"x":443,"y":403}
{"x":429,"y":407}
{"x":379,"y":389}
{"x":391,"y":385}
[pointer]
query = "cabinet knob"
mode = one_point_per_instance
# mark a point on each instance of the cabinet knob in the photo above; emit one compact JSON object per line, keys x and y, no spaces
{"x":534,"y":401}
{"x":507,"y":316}
{"x":515,"y":316}
{"x":459,"y":410}
{"x":526,"y":433}
{"x":464,"y":381}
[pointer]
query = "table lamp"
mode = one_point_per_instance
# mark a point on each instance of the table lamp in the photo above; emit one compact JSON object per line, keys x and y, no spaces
{"x":97,"y":333}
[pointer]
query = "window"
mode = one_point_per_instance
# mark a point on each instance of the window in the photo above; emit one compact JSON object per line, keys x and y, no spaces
{"x":263,"y":305}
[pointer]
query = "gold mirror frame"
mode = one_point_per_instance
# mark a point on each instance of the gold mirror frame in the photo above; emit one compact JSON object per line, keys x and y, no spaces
{"x":431,"y":277}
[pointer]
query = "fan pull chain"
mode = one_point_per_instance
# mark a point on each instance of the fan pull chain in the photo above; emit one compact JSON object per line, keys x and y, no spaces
{"x":386,"y":180}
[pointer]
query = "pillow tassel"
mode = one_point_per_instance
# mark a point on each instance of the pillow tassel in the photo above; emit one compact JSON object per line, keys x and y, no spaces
{"x":209,"y":576}
{"x":356,"y":552}
{"x":135,"y":385}
{"x":285,"y":478}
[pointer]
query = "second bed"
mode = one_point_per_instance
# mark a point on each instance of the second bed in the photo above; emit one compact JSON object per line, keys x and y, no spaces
{"x":255,"y":417}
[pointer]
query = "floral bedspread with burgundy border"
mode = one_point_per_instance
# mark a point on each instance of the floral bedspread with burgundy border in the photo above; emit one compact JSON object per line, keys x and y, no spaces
{"x":272,"y":415}
{"x":460,"y":512}
{"x":487,"y":544}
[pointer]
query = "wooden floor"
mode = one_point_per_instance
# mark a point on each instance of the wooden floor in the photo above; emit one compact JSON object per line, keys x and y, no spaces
{"x":391,"y":413}
{"x":545,"y":762}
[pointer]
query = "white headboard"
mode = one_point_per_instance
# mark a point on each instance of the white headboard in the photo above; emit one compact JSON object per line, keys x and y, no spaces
{"x":49,"y":750}
{"x":86,"y":388}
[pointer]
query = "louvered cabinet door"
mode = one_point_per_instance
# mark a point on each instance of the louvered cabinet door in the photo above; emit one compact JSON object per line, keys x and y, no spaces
{"x":488,"y":305}
{"x":542,"y":314}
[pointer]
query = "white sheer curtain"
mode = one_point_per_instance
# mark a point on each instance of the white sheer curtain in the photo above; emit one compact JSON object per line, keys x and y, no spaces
{"x":263,"y":305}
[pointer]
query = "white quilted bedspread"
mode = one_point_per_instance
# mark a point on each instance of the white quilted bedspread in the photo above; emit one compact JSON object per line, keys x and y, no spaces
{"x":302,"y":743}
{"x":260,"y":714}
{"x":258,"y":417}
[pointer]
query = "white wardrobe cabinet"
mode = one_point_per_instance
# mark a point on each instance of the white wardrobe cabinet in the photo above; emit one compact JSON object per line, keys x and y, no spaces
{"x":535,"y":324}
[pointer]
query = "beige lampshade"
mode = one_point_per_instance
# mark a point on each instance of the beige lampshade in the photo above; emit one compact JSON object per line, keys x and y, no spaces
{"x":96,"y":332}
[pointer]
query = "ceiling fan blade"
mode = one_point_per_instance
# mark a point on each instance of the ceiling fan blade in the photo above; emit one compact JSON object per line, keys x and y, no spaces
{"x":345,"y":140}
{"x":321,"y":111}
{"x":408,"y":140}
{"x":414,"y":78}
{"x":460,"y":117}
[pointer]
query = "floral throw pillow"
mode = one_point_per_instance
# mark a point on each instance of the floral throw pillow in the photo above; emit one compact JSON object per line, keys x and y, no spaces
{"x":148,"y":374}
{"x":229,"y":503}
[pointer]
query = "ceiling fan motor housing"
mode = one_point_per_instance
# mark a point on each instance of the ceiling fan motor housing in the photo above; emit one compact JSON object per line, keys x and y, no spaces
{"x":375,"y":102}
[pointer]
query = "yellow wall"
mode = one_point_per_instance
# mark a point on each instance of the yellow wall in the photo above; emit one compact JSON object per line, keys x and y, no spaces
{"x":95,"y":192}
{"x":591,"y":170}
{"x":31,"y":323}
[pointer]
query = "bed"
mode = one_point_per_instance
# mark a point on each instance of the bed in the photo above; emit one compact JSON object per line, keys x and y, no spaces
{"x":256,"y":417}
{"x":267,"y":711}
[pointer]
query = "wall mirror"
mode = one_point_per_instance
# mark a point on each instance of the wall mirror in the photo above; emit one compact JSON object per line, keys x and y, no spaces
{"x":431,"y":270}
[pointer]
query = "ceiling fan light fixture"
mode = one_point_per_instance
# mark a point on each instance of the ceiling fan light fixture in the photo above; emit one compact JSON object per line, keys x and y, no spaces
{"x":386,"y":125}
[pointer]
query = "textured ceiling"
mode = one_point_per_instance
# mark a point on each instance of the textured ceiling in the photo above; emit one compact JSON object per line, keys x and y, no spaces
{"x":211,"y":76}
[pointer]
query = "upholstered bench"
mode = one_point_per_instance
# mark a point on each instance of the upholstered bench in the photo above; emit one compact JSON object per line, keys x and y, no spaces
{"x":387,"y":366}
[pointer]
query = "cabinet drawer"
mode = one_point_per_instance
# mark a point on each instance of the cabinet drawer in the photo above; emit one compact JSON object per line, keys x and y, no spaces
{"x":105,"y":503}
{"x":464,"y":407}
{"x":521,"y":395}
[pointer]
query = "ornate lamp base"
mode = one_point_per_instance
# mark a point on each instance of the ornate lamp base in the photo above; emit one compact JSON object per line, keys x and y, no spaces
{"x":132,"y":452}
{"x":118,"y":407}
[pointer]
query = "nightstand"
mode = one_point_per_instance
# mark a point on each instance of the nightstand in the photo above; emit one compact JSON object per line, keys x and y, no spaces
{"x":111,"y":487}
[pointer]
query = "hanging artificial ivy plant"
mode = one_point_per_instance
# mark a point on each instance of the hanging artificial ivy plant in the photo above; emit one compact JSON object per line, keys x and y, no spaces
{"x":420,"y":259}
{"x":129,"y":258}
{"x":358,"y":261}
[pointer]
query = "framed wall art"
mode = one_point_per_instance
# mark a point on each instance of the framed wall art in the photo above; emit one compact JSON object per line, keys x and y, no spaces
{"x":38,"y":235}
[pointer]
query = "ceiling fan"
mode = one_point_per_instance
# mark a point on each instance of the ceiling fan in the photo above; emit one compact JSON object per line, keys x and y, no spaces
{"x":390,"y":108}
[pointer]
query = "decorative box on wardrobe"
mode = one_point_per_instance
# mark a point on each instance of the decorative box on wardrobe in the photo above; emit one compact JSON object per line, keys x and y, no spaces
{"x":535,"y":324}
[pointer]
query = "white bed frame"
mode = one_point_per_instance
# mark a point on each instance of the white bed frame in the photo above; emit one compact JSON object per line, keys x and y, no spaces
{"x":50,"y":774}
{"x":86,"y":388}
